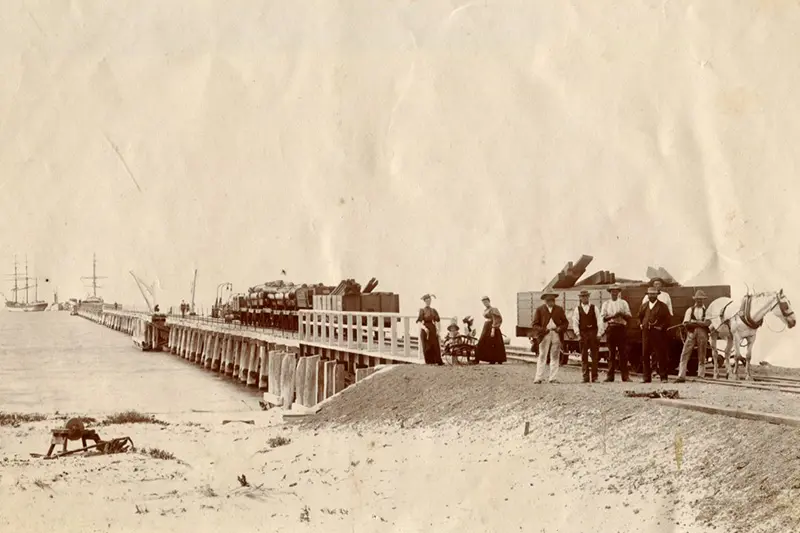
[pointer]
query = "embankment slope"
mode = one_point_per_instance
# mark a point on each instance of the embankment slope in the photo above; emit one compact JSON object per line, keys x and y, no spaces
{"x":733,"y":474}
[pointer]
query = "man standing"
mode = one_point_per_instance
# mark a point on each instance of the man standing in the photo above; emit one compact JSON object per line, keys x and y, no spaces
{"x":549,"y":324}
{"x":615,"y":313}
{"x":696,"y":335}
{"x":658,"y":284}
{"x":654,"y":318}
{"x":588,"y":328}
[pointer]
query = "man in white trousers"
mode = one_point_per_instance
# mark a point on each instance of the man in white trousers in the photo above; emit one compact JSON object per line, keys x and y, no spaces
{"x":548,"y":327}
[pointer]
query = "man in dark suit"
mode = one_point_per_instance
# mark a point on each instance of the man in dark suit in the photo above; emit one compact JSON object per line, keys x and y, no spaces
{"x":654,"y":319}
{"x":548,"y":328}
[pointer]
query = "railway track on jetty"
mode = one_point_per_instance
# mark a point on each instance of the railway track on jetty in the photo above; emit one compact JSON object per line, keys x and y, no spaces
{"x":520,"y":354}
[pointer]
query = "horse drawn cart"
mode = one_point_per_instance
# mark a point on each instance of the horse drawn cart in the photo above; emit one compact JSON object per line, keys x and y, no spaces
{"x":568,"y":284}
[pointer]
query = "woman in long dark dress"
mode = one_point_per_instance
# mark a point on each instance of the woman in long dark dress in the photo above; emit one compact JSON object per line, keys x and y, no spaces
{"x":429,"y":334}
{"x":490,"y":346}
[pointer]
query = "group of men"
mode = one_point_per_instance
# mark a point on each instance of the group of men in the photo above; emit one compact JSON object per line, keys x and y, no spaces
{"x":550,"y":323}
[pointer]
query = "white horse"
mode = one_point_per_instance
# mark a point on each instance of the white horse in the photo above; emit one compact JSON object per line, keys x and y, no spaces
{"x":741,"y":325}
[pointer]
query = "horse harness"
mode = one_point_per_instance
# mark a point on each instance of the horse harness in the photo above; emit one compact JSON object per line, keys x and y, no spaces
{"x":744,"y":312}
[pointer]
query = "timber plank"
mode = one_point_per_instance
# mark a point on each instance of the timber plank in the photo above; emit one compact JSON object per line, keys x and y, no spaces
{"x":287,"y":380}
{"x":300,"y":380}
{"x":734,"y":413}
{"x":311,"y":381}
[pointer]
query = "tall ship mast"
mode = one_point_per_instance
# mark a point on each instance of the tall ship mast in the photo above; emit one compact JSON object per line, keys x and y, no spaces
{"x":93,"y":301}
{"x":27,"y":306}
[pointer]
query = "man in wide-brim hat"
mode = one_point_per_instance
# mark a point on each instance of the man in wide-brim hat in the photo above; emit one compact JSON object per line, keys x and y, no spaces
{"x":548,"y":327}
{"x":658,"y":284}
{"x":697,"y":330}
{"x":615,"y":314}
{"x":654,"y":319}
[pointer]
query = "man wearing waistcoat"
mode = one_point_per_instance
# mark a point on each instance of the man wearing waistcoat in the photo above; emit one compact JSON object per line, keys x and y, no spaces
{"x":548,"y":328}
{"x":588,"y":328}
{"x":654,"y":318}
{"x":615,"y":313}
{"x":697,"y":325}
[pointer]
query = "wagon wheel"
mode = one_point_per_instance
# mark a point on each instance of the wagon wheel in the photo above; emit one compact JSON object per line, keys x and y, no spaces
{"x":75,"y":429}
{"x":463,"y":352}
{"x":462,"y":355}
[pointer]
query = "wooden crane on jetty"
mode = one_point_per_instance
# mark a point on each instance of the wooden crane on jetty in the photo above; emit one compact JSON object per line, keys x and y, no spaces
{"x":152,"y":306}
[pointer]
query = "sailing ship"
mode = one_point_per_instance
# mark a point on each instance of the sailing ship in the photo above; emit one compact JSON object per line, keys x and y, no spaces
{"x":93,"y":302}
{"x":26,"y":306}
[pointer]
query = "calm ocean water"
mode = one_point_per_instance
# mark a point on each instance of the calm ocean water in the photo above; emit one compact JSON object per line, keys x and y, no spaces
{"x":52,"y":361}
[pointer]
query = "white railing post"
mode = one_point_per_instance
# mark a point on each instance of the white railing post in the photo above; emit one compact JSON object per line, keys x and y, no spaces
{"x":359,"y":331}
{"x":381,"y":339}
{"x":340,"y":330}
{"x":349,"y":330}
{"x":369,"y":332}
{"x":393,"y":348}
{"x":406,"y":337}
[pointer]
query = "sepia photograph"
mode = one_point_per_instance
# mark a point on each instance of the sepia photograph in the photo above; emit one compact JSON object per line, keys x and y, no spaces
{"x":399,"y":267}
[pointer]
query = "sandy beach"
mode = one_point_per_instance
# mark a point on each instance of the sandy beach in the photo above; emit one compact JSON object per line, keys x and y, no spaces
{"x":400,"y":452}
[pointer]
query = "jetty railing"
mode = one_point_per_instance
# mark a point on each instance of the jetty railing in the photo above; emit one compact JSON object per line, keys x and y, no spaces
{"x":386,"y":334}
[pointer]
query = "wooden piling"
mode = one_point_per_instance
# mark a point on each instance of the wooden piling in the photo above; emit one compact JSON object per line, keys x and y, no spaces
{"x":287,"y":380}
{"x":184,"y":343}
{"x":329,"y":368}
{"x":180,"y":342}
{"x":300,"y":380}
{"x":263,"y":367}
{"x":253,"y":368}
{"x":212,"y":350}
{"x":311,"y":381}
{"x":274,"y":373}
{"x":338,"y":377}
{"x":237,"y":345}
{"x":209,"y":351}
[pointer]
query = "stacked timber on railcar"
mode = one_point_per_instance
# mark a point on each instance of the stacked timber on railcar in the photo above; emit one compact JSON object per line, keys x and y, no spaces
{"x":568,"y":284}
{"x":349,"y":297}
{"x":276,"y":304}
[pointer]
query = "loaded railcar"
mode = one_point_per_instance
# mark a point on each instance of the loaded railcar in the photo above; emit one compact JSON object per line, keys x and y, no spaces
{"x":276,"y":304}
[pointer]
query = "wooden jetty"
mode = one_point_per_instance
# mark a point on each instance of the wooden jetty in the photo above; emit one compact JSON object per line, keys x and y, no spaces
{"x":296,"y":370}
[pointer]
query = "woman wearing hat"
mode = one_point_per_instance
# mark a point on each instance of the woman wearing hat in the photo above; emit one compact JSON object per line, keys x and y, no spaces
{"x":452,"y":336}
{"x":429,"y":332}
{"x":490,"y":346}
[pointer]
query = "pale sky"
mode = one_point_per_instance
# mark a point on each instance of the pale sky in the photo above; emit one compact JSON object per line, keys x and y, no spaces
{"x":458,"y":148}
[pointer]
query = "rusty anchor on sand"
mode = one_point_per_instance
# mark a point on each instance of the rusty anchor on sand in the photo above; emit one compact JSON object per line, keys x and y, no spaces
{"x":75,"y":430}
